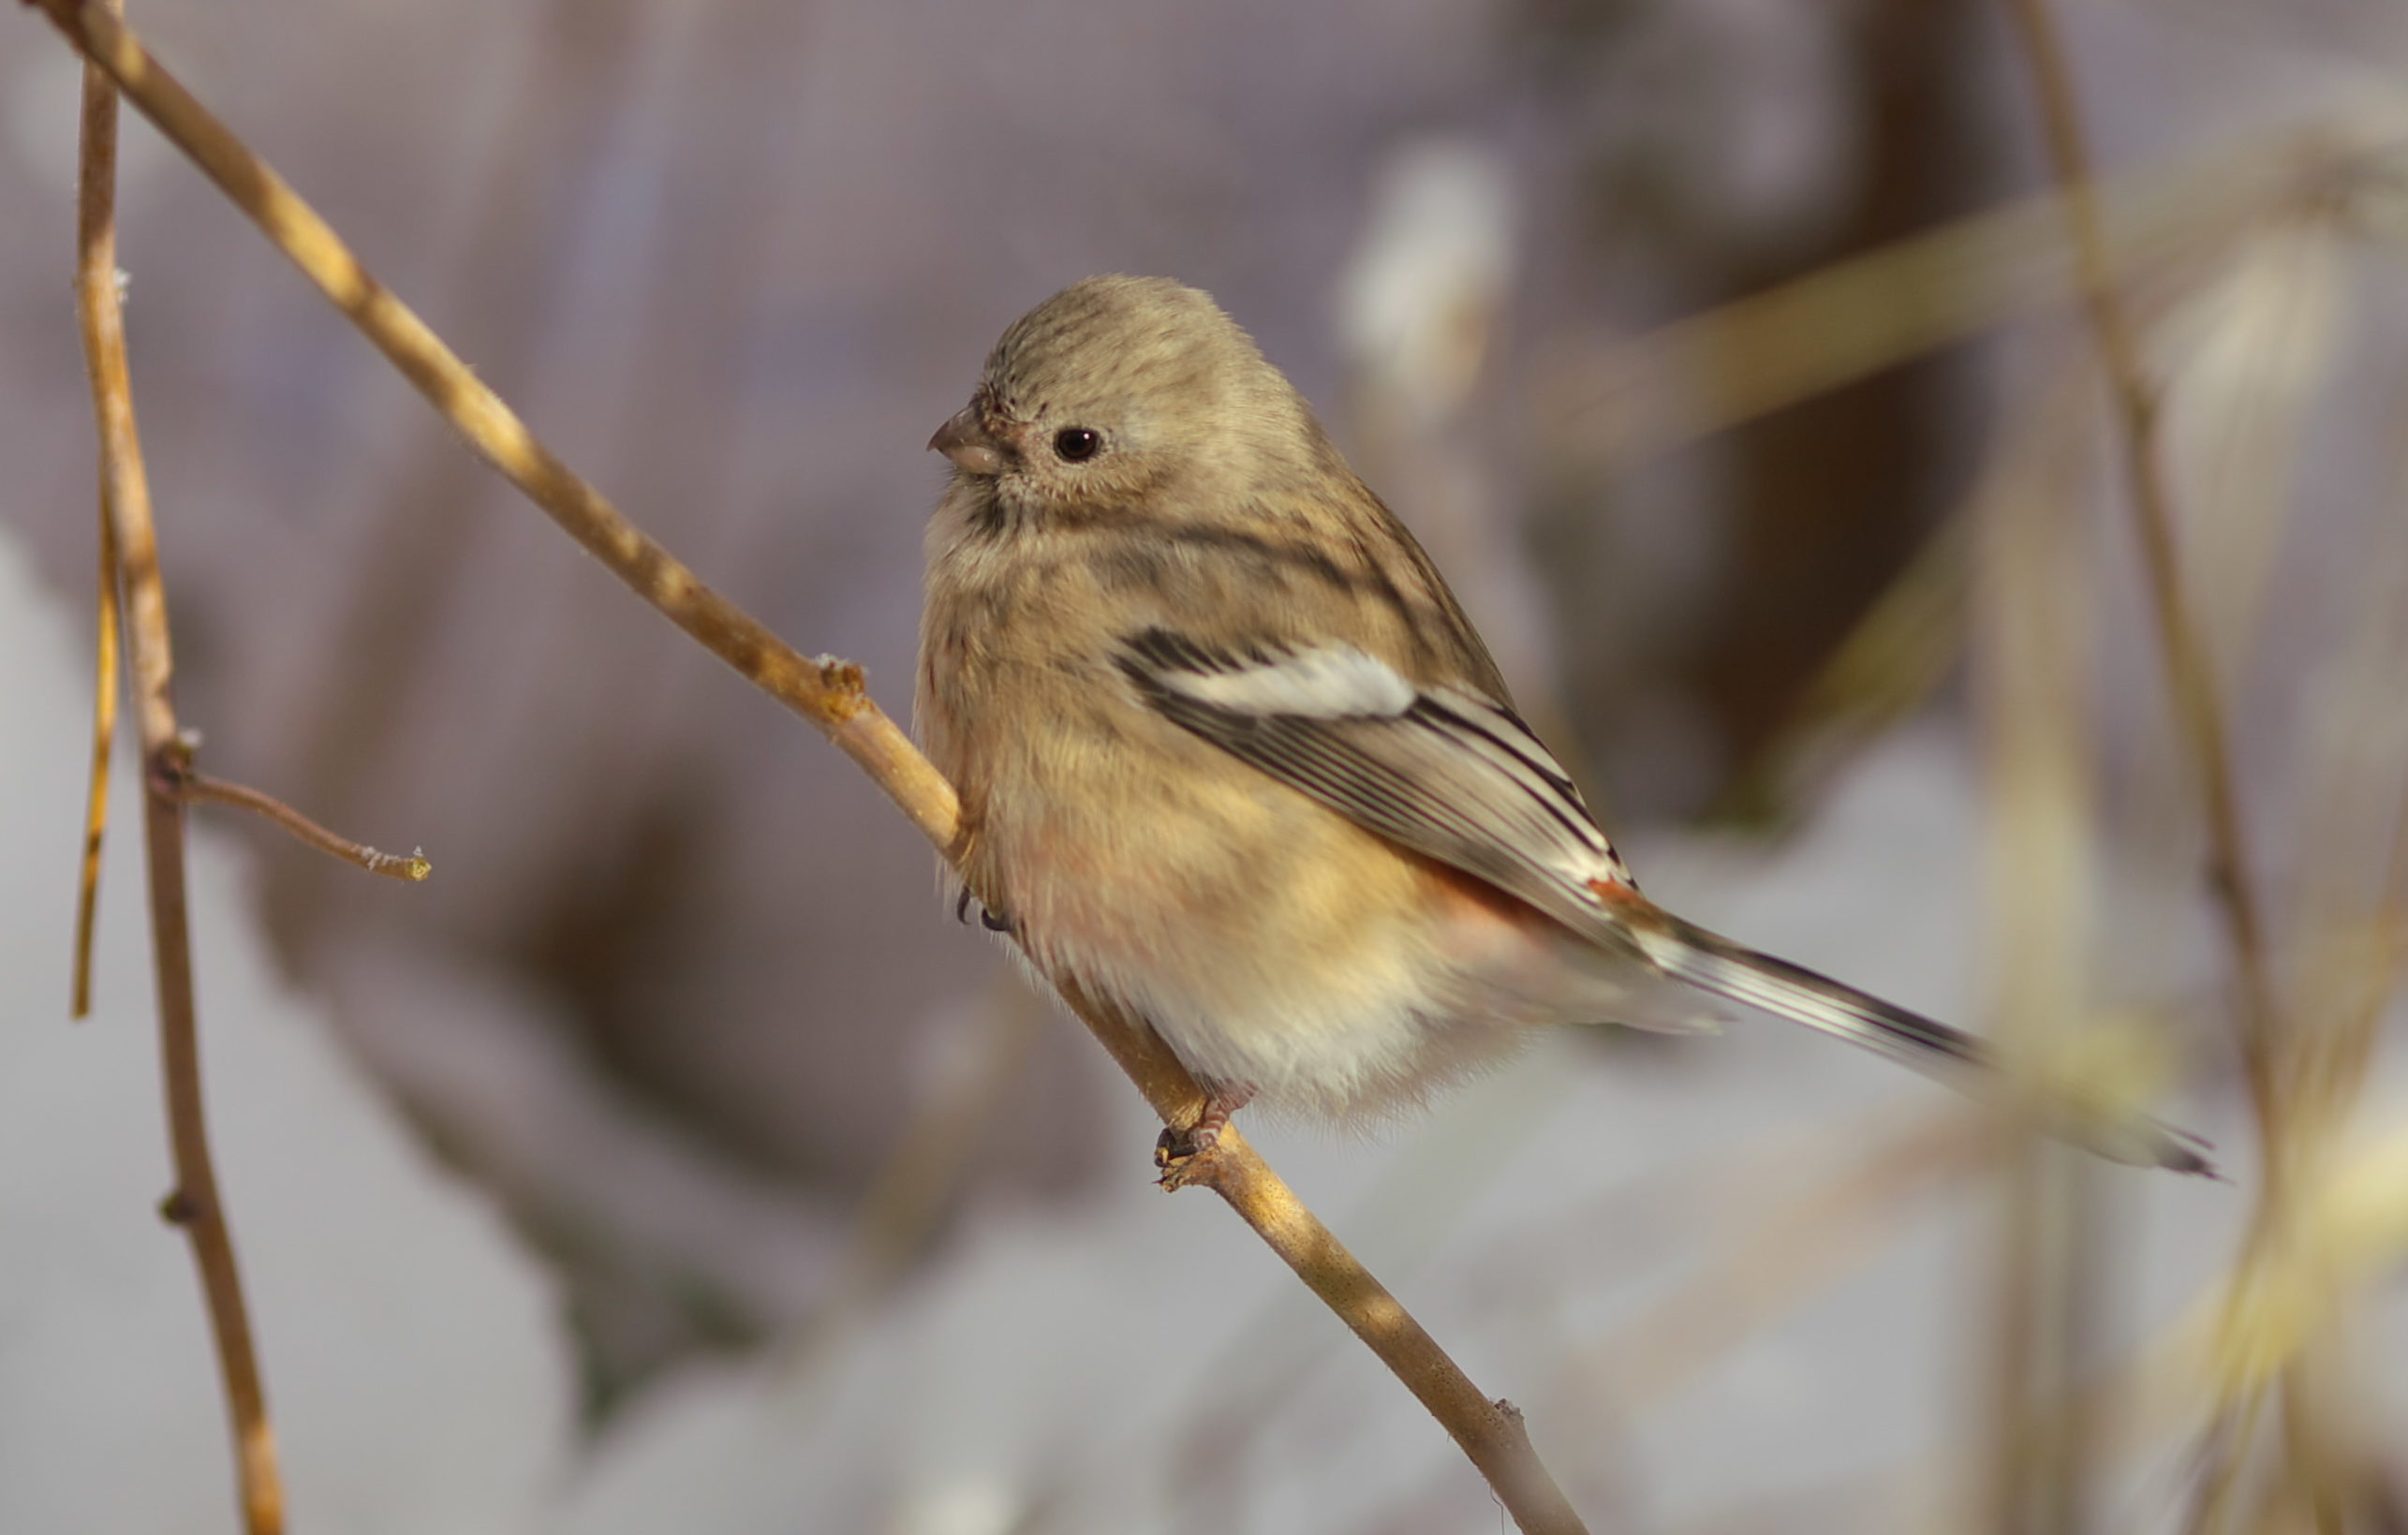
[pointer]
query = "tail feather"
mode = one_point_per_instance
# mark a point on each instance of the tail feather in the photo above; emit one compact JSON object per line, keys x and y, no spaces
{"x":1715,"y":964}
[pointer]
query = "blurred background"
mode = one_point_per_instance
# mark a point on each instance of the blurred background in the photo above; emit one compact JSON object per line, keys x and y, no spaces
{"x":1722,"y":351}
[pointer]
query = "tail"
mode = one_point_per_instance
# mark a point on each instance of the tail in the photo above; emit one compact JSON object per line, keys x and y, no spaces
{"x":1715,"y":964}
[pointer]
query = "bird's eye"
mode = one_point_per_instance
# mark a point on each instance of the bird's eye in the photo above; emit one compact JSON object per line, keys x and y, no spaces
{"x":1075,"y":444}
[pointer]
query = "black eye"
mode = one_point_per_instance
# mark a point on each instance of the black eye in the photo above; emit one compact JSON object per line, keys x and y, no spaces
{"x":1075,"y":444}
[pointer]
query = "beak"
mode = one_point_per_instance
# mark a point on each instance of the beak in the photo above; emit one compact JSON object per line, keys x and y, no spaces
{"x":963,"y":440}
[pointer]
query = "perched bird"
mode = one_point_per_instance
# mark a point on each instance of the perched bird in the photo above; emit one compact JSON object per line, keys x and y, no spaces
{"x":1233,"y":761}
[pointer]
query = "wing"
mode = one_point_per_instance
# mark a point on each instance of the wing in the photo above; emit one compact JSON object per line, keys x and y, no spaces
{"x":1444,"y":771}
{"x":1458,"y":776}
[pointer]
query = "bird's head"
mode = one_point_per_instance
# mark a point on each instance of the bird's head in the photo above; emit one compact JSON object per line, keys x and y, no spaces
{"x":1118,"y":391}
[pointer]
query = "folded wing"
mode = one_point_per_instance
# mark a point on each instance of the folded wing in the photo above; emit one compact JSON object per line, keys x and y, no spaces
{"x":1459,"y":777}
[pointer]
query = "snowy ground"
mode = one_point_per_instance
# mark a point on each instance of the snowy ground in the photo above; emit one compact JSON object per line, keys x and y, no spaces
{"x":415,"y":1365}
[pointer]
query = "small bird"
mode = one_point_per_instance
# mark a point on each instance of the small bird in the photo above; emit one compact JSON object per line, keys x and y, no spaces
{"x":1233,"y":761}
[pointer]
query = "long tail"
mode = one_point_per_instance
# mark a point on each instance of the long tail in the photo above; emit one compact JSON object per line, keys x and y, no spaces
{"x":1715,"y":964}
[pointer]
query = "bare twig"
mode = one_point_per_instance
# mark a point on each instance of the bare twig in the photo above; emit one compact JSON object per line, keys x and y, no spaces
{"x":828,"y":693}
{"x":104,"y":737}
{"x":825,"y":691}
{"x":187,"y":785}
{"x":1490,"y":1433}
{"x":126,"y":500}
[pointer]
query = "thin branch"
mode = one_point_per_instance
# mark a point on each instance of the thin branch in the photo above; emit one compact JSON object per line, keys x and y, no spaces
{"x":828,"y":693}
{"x":104,"y":737}
{"x":824,"y":690}
{"x":189,"y":786}
{"x":1490,"y":1433}
{"x":127,"y":499}
{"x":2199,"y":707}
{"x":2199,"y":719}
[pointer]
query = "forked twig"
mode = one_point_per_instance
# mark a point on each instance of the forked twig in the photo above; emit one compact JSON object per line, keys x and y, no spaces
{"x":126,"y":500}
{"x":828,"y":693}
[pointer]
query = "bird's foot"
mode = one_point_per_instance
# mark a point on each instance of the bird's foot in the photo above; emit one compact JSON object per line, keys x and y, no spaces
{"x":988,"y":918}
{"x":1192,"y":1155}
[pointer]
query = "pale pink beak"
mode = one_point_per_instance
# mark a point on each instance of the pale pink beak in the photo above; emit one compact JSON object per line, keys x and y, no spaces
{"x":963,"y":440}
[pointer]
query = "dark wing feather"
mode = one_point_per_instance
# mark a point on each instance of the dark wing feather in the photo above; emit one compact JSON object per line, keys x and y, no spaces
{"x":1442,"y":771}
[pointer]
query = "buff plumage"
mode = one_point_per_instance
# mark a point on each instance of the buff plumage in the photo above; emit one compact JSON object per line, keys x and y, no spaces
{"x":1232,"y":759}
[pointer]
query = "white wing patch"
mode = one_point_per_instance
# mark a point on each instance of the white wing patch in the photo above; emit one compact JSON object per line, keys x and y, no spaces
{"x":1445,"y":772}
{"x":1327,"y":682}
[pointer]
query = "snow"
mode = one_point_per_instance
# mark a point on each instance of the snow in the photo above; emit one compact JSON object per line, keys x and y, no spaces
{"x":417,"y":1372}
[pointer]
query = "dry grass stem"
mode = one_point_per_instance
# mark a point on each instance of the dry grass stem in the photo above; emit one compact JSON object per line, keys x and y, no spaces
{"x":2199,"y":707}
{"x":2302,"y":1482}
{"x":2034,"y":602}
{"x":104,"y":731}
{"x":1889,"y":664}
{"x":1849,"y":320}
{"x":125,"y":499}
{"x":189,"y":786}
{"x":830,"y":694}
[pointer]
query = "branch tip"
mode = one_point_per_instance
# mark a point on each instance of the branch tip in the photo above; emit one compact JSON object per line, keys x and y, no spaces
{"x":179,"y":781}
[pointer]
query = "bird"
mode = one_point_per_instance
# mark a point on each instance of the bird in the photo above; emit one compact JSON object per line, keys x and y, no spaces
{"x":1233,"y":761}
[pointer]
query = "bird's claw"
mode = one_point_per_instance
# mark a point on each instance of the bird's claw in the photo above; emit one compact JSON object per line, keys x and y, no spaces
{"x":1191,"y":1154}
{"x":1185,"y":1156}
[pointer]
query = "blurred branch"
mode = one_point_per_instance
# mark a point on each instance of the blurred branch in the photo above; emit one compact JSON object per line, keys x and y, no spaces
{"x":103,"y":726}
{"x":2033,"y":602}
{"x":1894,"y":303}
{"x":2354,"y":1226}
{"x":1773,"y":1266}
{"x":827,"y":692}
{"x":929,"y":1159}
{"x":1895,"y":659}
{"x":126,"y":501}
{"x":2199,"y":707}
{"x":1858,"y":317}
{"x":2199,"y":719}
{"x":2354,"y":1217}
{"x":179,"y":779}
